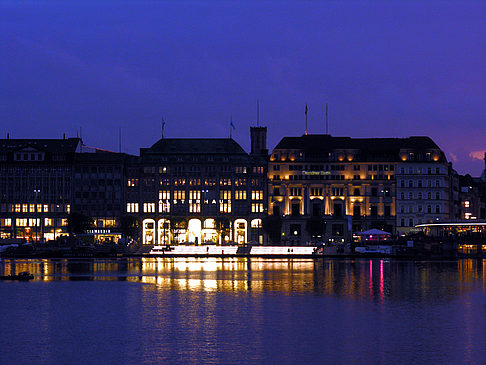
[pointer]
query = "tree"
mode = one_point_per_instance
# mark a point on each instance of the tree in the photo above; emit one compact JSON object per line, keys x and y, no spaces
{"x":79,"y":223}
{"x":272,"y":225}
{"x":129,"y":226}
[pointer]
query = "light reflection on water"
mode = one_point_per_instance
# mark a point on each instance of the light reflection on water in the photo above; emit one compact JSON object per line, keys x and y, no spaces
{"x":377,"y":278}
{"x":238,"y":310}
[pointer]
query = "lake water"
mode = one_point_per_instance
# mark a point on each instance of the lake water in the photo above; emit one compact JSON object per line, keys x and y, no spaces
{"x":222,"y":311}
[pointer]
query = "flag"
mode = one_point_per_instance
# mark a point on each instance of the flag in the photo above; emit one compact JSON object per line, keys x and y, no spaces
{"x":231,"y":124}
{"x":305,"y":109}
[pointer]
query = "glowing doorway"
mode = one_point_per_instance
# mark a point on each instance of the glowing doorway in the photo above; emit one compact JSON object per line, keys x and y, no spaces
{"x":194,"y":231}
{"x":164,"y":232}
{"x":241,"y":228}
{"x":148,"y":233}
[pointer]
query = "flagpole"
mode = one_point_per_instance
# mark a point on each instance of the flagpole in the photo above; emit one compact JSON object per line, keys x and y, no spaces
{"x":306,"y":118}
{"x":231,"y":122}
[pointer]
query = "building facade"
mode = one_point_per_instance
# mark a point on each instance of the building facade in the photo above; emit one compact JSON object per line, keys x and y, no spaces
{"x":35,"y":187}
{"x":199,"y":190}
{"x":324,"y":188}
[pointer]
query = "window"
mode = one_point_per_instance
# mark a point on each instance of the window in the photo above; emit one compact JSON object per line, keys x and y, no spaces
{"x":437,"y":208}
{"x":257,"y":207}
{"x":257,"y":195}
{"x":241,"y":169}
{"x":410,"y":222}
{"x":164,"y":194}
{"x":132,"y":207}
{"x":240,"y":194}
{"x":374,"y":191}
{"x":179,"y":194}
{"x":437,"y":196}
{"x":149,"y":207}
{"x":225,"y":206}
{"x":316,"y":191}
{"x":276,"y":191}
{"x":194,"y":194}
{"x":295,"y":191}
{"x":337,"y":191}
{"x":225,"y":182}
{"x":276,"y":167}
{"x":410,"y":183}
{"x":295,"y":209}
{"x":374,"y":210}
{"x":194,"y":206}
{"x":225,"y":194}
{"x":164,"y":206}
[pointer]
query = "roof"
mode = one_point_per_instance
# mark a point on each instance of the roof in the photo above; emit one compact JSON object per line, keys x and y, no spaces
{"x":328,"y":142}
{"x":68,"y":145}
{"x":196,"y":146}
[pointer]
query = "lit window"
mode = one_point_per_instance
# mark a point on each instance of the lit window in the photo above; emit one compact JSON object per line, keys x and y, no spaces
{"x":225,"y":194}
{"x":164,"y":194}
{"x":466,"y":204}
{"x":25,"y":208}
{"x":21,"y":222}
{"x":194,"y":194}
{"x":194,"y":206}
{"x":257,"y":195}
{"x":132,"y":207}
{"x":180,"y":194}
{"x":149,"y":207}
{"x":257,"y":207}
{"x":132,"y":182}
{"x":240,"y":194}
{"x":225,"y":206}
{"x":164,"y":206}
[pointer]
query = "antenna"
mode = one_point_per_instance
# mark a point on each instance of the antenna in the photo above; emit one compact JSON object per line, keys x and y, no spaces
{"x":258,"y":113}
{"x":327,"y":123}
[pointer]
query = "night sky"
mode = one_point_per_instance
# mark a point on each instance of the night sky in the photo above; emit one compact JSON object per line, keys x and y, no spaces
{"x":386,"y":69}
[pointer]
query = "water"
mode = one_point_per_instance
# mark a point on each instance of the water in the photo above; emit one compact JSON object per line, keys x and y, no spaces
{"x":243,"y":311}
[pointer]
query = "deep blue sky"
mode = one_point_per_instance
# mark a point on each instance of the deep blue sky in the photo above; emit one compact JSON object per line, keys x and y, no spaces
{"x":386,"y":69}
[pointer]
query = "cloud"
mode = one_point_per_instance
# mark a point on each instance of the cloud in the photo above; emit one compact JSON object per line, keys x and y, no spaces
{"x":477,"y":155}
{"x":453,"y":157}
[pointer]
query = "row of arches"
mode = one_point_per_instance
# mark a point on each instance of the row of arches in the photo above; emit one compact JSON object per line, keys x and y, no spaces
{"x":196,"y":231}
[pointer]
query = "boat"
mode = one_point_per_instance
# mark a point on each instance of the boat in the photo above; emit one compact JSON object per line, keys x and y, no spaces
{"x":23,"y":276}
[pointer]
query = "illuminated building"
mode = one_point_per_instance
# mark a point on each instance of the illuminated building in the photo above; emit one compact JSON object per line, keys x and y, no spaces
{"x":324,"y":188}
{"x":199,"y":190}
{"x":35,"y":187}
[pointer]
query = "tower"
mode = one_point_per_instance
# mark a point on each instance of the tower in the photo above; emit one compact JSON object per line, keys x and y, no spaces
{"x":258,"y":137}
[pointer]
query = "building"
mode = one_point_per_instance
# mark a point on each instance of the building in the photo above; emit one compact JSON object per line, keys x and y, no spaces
{"x":35,"y":187}
{"x":99,"y":191}
{"x":199,"y":190}
{"x":424,"y":184}
{"x":324,"y":188}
